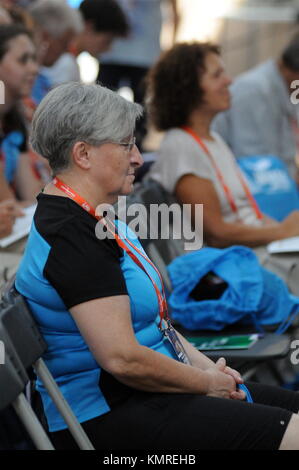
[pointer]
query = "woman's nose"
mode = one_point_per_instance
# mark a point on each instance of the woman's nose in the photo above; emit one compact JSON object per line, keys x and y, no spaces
{"x":136,"y":157}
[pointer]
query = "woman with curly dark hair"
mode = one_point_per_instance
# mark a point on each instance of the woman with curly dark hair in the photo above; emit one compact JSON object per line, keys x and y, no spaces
{"x":187,"y":88}
{"x":174,"y":84}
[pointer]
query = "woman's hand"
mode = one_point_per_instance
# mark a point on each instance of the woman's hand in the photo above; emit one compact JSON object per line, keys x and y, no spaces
{"x":238,"y":394}
{"x":220,"y":384}
{"x":234,"y":373}
{"x":9,"y":210}
{"x":223,"y":381}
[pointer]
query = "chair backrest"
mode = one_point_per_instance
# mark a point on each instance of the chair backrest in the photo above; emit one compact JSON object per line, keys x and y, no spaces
{"x":273,"y":188}
{"x":19,"y":330}
{"x":18,"y":322}
{"x":13,"y":379}
{"x":149,"y":194}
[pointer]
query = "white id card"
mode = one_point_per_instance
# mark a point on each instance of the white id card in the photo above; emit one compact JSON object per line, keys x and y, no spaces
{"x":175,"y":342}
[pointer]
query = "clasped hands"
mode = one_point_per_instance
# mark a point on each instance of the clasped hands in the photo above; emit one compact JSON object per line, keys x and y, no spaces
{"x":224,"y":381}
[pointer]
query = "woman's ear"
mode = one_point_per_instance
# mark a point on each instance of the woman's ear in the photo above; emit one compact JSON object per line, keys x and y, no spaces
{"x":81,"y":155}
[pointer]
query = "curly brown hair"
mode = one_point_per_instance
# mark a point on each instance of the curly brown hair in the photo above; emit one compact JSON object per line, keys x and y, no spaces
{"x":173,"y":84}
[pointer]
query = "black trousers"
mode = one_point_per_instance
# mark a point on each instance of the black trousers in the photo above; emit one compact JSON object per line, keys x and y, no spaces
{"x":156,"y":421}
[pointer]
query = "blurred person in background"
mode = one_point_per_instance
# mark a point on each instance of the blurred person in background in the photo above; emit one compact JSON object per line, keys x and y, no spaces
{"x":130,"y":58}
{"x":104,"y":21}
{"x":56,"y":24}
{"x":262,"y":119}
{"x":10,"y":207}
{"x":188,"y":87}
{"x":18,"y":70}
{"x":6,"y":218}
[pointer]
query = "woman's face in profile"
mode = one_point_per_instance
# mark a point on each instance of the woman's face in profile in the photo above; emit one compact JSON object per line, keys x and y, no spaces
{"x":115,"y":166}
{"x":18,"y":67}
{"x":215,"y":84}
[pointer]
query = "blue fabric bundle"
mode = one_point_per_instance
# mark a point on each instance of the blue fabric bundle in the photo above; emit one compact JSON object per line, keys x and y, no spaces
{"x":254,"y":295}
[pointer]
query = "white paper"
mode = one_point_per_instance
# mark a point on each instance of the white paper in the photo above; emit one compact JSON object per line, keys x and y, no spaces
{"x":288,"y":245}
{"x":21,"y":227}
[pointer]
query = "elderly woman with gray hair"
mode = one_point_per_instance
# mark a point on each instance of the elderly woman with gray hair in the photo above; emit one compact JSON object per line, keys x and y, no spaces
{"x":130,"y":378}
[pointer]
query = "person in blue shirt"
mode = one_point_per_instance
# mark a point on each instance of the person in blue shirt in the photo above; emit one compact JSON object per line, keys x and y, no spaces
{"x":98,"y":301}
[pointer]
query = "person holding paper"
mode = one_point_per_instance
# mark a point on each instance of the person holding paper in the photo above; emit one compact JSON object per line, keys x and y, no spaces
{"x":196,"y":165}
{"x":131,"y":379}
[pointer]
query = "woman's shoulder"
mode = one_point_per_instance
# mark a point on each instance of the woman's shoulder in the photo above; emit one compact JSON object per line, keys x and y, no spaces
{"x":57,"y":213}
{"x":175,"y":140}
{"x":221,"y":142}
{"x":62,"y":222}
{"x":175,"y":133}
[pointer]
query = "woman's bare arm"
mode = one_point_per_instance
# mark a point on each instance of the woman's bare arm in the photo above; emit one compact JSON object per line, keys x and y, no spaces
{"x":191,"y":189}
{"x":106,"y":326}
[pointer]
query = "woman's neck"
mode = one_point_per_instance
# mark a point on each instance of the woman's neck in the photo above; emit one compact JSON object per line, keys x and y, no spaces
{"x":82,"y":186}
{"x":200,"y":122}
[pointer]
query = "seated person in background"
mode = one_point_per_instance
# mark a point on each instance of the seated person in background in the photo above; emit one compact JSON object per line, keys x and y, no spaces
{"x":102,"y":313}
{"x":187,"y":88}
{"x":262,"y":119}
{"x":104,"y":21}
{"x":18,"y":69}
{"x":55,"y":25}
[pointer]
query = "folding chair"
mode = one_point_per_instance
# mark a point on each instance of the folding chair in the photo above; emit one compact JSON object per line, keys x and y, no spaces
{"x":267,"y":350}
{"x":21,"y":332}
{"x":13,"y":379}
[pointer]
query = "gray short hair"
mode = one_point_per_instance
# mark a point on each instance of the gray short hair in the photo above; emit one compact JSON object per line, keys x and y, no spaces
{"x":56,"y":17}
{"x":75,"y":112}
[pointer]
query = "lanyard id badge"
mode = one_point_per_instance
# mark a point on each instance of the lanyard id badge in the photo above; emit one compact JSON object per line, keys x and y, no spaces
{"x":170,"y":333}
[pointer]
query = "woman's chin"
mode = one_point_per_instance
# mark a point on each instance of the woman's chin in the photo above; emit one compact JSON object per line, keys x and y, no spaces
{"x":128,"y":189}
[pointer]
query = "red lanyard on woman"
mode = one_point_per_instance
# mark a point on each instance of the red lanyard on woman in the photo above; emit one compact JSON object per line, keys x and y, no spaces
{"x":226,"y":189}
{"x":163,"y":310}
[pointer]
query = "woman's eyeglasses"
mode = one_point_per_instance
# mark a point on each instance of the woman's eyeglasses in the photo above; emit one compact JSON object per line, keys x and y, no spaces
{"x":128,"y":145}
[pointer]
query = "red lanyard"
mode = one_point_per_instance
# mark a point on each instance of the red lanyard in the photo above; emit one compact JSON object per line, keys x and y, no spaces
{"x":163,"y":309}
{"x":226,"y":189}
